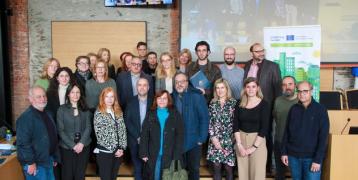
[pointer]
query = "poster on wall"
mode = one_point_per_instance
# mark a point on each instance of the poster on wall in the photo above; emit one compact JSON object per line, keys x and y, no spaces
{"x":297,"y":50}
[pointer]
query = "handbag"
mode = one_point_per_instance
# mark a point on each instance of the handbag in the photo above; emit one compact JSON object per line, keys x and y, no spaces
{"x":175,"y":172}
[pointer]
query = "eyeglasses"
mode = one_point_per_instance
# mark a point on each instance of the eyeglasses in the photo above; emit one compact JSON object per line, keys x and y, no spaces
{"x":259,"y":51}
{"x":304,"y":91}
{"x":83,"y":64}
{"x":136,"y":64}
{"x":181,"y":82}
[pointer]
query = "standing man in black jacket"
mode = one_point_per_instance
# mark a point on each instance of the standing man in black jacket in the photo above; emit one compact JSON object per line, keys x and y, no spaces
{"x":269,"y":76}
{"x":305,"y":139}
{"x":134,"y":116}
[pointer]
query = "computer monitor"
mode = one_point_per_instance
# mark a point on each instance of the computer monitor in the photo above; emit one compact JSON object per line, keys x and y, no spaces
{"x":353,"y":130}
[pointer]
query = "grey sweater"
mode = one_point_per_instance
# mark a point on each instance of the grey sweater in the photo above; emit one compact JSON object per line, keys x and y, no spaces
{"x":94,"y":89}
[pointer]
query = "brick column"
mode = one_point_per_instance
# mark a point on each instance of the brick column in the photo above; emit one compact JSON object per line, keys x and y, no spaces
{"x":19,"y":56}
{"x":175,"y":29}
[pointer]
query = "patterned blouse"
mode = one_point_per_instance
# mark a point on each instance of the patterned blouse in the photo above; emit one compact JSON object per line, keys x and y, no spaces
{"x":111,"y":133}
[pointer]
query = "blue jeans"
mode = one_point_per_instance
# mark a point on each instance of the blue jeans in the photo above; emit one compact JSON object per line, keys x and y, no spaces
{"x":158,"y":168}
{"x":42,"y":173}
{"x":301,"y":169}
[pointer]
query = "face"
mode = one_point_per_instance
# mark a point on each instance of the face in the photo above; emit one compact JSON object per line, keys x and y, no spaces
{"x":100,"y":70}
{"x":181,"y":83}
{"x":162,"y":101}
{"x":136,"y":66}
{"x":221,"y":90}
{"x":258,"y":53}
{"x":166,"y":62}
{"x":251,"y":89}
{"x":304,"y":93}
{"x":202,"y":52}
{"x":109,"y":99}
{"x":105,"y":56}
{"x":142,"y":51}
{"x":63,"y":78}
{"x":38,"y":98}
{"x":152,"y":59}
{"x":52,"y":68}
{"x":128,"y":61}
{"x":184,"y":58}
{"x":229,"y":56}
{"x":83,"y":65}
{"x":74,"y":95}
{"x":93,"y":60}
{"x":288,"y":87}
{"x":142,"y":87}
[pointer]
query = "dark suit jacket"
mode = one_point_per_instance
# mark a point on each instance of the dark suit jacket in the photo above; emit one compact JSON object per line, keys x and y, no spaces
{"x":269,"y":79}
{"x":125,"y":90}
{"x":132,"y":120}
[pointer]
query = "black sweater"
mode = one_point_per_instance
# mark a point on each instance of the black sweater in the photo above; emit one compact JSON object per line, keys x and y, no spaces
{"x":306,"y":132}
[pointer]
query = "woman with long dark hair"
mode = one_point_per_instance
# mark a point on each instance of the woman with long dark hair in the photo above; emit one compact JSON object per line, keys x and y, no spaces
{"x":74,"y":128}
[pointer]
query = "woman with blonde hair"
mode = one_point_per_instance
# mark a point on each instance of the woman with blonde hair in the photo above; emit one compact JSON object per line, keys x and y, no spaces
{"x":251,"y":122}
{"x":48,"y":71}
{"x":105,"y":55}
{"x":221,"y":145}
{"x":93,"y":59}
{"x":95,"y":86}
{"x":111,"y":134}
{"x":184,"y":60}
{"x":164,"y":74}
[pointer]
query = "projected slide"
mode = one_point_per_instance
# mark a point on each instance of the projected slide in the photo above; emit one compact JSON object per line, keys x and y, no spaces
{"x":240,"y":23}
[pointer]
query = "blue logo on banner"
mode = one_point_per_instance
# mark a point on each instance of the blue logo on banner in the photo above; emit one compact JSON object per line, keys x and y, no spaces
{"x":290,"y":37}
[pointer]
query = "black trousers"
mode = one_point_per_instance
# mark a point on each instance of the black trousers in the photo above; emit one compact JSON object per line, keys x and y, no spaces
{"x":74,"y":165}
{"x":108,"y":165}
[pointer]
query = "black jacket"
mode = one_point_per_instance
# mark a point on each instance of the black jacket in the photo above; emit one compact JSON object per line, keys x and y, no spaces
{"x":82,"y":81}
{"x":150,"y":141}
{"x":132,"y":120}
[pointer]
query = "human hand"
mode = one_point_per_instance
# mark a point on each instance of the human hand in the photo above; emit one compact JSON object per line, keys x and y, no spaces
{"x":145,"y":159}
{"x":315,"y":167}
{"x":31,"y":169}
{"x":284,"y":160}
{"x":242,"y":150}
{"x":250,"y":150}
{"x":201,"y":89}
{"x":119,"y":153}
{"x":78,"y":148}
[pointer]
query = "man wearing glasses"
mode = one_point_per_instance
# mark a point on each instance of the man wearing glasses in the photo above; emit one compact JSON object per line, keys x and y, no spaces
{"x":269,"y":77}
{"x":191,"y":104}
{"x":305,"y":138}
{"x":126,"y":82}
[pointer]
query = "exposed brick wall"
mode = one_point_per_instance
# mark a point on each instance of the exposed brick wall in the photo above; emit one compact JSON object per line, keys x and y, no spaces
{"x":19,"y":56}
{"x":175,"y":29}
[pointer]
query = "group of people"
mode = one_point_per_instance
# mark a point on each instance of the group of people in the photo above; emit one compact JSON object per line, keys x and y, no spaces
{"x":157,"y":112}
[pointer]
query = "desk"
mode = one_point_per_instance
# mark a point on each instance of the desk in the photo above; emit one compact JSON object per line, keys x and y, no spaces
{"x":11,"y":168}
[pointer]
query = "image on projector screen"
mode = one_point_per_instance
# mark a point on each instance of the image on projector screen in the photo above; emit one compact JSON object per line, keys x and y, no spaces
{"x":240,"y":23}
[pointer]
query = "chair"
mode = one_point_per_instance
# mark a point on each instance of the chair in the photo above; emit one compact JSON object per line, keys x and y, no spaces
{"x":332,"y":100}
{"x":352,"y":98}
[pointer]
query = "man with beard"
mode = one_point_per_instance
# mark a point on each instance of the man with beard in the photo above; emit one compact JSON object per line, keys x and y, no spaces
{"x":280,"y":110}
{"x":269,"y":76}
{"x":211,"y":71}
{"x":231,"y":72}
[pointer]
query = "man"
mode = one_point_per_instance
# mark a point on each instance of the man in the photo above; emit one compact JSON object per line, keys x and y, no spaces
{"x":305,"y":138}
{"x":126,"y":82}
{"x":142,"y":53}
{"x":135,"y":113}
{"x":269,"y":77}
{"x":152,"y":63}
{"x":191,"y":104}
{"x":280,"y":110}
{"x":233,"y":74}
{"x":37,"y":145}
{"x":211,"y":71}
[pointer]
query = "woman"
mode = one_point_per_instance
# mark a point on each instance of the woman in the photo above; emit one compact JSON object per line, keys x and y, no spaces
{"x":95,"y":86}
{"x":162,"y":138}
{"x":184,"y":60}
{"x":164,"y":74}
{"x":74,"y":128}
{"x":48,"y":71}
{"x":126,"y":59}
{"x":93,"y":59}
{"x":82,"y":73}
{"x":251,"y":124}
{"x":221,"y":145}
{"x":111,"y":134}
{"x":56,"y":93}
{"x":105,"y":54}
